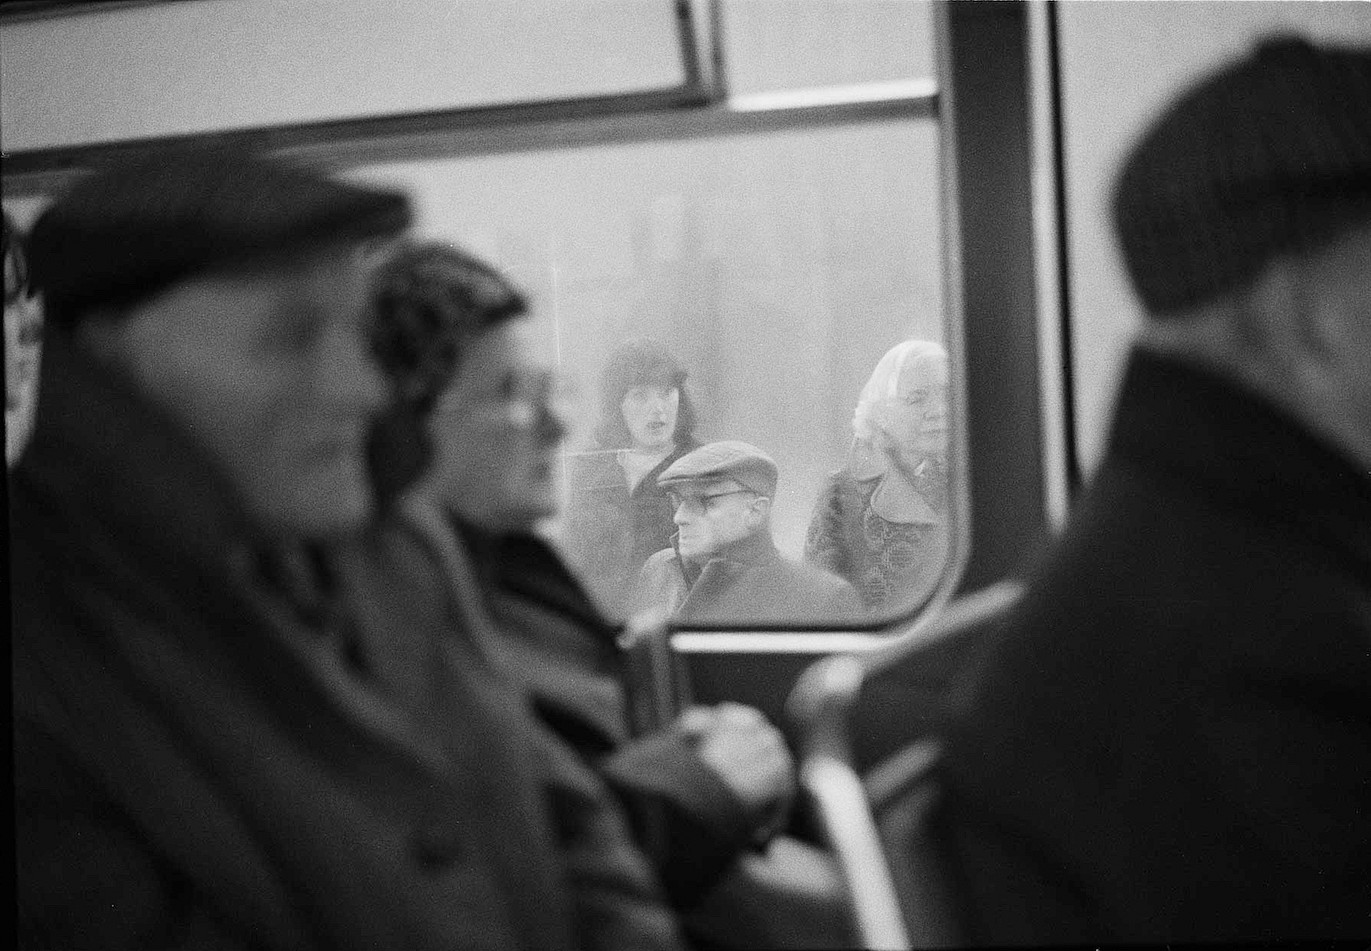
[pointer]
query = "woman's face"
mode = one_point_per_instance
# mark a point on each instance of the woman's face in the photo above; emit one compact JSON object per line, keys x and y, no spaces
{"x":496,"y":432}
{"x":650,"y":415}
{"x":919,"y":410}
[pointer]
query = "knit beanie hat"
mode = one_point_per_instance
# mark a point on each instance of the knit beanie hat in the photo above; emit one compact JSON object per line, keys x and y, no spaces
{"x":1270,"y":155}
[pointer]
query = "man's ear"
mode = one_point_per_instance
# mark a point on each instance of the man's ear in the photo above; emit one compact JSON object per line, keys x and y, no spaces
{"x":1282,"y":322}
{"x":1266,"y":321}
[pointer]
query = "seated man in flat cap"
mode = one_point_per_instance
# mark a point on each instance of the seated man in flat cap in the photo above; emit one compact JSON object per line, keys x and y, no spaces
{"x":225,"y":736}
{"x":1171,"y":738}
{"x":723,"y":565}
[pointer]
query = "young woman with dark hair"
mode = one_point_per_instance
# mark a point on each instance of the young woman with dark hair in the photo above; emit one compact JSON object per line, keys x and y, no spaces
{"x":617,"y":516}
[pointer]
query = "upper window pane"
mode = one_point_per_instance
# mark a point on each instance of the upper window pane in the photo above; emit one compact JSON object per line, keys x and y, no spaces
{"x":106,"y":76}
{"x":775,"y":45}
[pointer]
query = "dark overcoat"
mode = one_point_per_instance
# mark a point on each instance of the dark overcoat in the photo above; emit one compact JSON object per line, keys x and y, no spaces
{"x":1170,"y":740}
{"x":746,"y":582}
{"x":204,"y":759}
{"x":565,"y":652}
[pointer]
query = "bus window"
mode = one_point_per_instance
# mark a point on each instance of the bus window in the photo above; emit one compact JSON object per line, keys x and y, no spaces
{"x":774,"y":270}
{"x":80,"y":73}
{"x":772,"y":236}
{"x":774,"y":46}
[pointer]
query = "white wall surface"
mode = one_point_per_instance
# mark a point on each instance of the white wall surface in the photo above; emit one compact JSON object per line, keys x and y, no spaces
{"x":1121,"y":62}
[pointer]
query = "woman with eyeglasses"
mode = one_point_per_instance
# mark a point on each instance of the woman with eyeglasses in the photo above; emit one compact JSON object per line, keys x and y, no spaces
{"x":454,"y":338}
{"x":617,"y":515}
{"x":881,"y":521}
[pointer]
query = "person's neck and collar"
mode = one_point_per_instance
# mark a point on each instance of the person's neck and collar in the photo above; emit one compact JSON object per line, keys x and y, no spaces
{"x":504,"y":555}
{"x":1262,"y":393}
{"x":500,"y":551}
{"x":754,"y":549}
{"x":100,"y":445}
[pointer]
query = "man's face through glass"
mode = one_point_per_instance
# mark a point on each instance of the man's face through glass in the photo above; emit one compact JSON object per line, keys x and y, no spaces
{"x":919,"y":408}
{"x":267,"y":369}
{"x":712,"y":515}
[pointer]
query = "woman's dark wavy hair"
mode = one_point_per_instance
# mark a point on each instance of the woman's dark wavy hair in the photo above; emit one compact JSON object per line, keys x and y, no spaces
{"x":429,"y":300}
{"x":640,"y":362}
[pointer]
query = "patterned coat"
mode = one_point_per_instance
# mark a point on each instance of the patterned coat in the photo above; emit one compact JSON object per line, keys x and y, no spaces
{"x":892,"y":564}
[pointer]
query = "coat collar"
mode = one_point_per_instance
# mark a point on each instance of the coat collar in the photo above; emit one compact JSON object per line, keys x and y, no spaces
{"x":113,"y":480}
{"x":1185,"y":424}
{"x":755,"y":550}
{"x":526,"y":566}
{"x":113,"y":459}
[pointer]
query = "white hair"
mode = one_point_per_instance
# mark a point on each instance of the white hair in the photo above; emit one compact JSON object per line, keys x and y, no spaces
{"x":868,"y":420}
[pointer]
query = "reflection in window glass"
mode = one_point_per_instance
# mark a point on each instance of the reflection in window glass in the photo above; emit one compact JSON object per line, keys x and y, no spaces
{"x":739,"y":289}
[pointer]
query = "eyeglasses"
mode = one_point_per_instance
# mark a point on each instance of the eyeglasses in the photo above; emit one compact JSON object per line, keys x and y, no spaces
{"x":699,"y":503}
{"x":917,"y":397}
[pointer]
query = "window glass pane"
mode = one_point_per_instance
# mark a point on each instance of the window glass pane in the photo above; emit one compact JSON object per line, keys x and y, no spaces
{"x":772,"y":45}
{"x":171,"y":69}
{"x":776,"y":268}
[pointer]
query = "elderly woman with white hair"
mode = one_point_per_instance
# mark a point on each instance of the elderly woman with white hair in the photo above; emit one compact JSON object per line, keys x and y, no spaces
{"x":881,"y":520}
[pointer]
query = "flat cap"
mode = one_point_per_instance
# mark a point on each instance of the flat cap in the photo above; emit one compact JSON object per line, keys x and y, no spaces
{"x":124,"y":234}
{"x":1269,"y":155}
{"x":732,"y":459}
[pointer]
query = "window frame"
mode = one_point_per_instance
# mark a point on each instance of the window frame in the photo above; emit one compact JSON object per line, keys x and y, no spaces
{"x":979,"y":98}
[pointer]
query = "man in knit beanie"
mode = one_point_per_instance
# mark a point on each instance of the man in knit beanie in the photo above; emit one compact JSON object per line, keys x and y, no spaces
{"x":1170,"y":739}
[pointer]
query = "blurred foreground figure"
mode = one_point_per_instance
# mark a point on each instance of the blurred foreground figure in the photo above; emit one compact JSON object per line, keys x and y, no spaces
{"x":881,"y":520}
{"x":222,"y":737}
{"x":453,"y":336}
{"x":23,"y":345}
{"x":723,"y":564}
{"x":1172,"y":739}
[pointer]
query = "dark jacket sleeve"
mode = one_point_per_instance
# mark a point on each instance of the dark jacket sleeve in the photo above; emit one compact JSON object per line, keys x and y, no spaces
{"x":618,"y":904}
{"x":84,"y":874}
{"x":691,"y":824}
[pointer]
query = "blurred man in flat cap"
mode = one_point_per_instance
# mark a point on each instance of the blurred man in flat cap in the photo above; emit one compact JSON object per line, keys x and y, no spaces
{"x":231,"y":728}
{"x":723,"y":565}
{"x":1171,"y":738}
